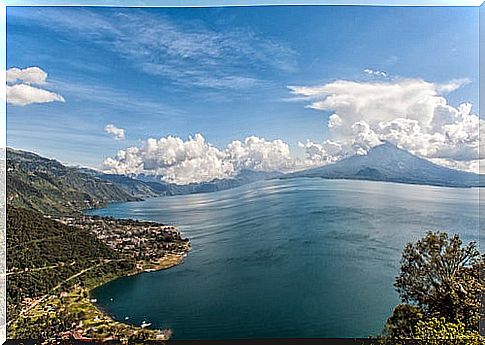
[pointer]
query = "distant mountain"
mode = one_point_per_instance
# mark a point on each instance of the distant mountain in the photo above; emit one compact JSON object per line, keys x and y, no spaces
{"x":151,"y":185}
{"x":387,"y":162}
{"x":47,"y":186}
{"x":134,"y":187}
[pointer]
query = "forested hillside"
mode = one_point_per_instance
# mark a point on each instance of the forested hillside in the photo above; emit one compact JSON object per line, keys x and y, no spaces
{"x":48,"y":186}
{"x":55,"y":255}
{"x":43,"y":253}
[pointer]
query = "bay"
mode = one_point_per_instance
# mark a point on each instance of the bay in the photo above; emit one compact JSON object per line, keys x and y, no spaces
{"x":297,"y":258}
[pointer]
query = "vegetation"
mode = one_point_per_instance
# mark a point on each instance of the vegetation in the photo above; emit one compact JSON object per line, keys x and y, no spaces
{"x":56,"y":256}
{"x":53,"y":266}
{"x":47,"y":186}
{"x":43,"y":253}
{"x":71,"y":313}
{"x":440,"y":289}
{"x":438,"y":331}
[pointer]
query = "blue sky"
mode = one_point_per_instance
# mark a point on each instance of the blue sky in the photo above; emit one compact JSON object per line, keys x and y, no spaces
{"x":222,"y":72}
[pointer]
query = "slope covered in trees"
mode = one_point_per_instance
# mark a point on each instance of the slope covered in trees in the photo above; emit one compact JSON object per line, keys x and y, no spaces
{"x":55,"y":256}
{"x":43,"y":253}
{"x":48,"y":186}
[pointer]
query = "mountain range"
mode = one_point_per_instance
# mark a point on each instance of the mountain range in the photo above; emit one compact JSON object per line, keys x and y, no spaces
{"x":143,"y":186}
{"x":48,"y":186}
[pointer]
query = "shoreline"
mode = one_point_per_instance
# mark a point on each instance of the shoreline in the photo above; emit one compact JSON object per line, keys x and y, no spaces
{"x":171,"y":260}
{"x":163,"y":263}
{"x":85,"y":320}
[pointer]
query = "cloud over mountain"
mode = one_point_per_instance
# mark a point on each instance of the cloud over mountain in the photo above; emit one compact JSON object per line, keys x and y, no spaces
{"x":411,"y":113}
{"x":20,"y":89}
{"x":195,"y":160}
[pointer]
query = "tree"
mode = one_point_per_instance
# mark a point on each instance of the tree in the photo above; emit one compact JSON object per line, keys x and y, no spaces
{"x":403,"y":320}
{"x":439,"y":278}
{"x":440,"y":332}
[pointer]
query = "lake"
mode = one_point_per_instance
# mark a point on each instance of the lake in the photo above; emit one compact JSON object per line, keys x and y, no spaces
{"x":285,"y":258}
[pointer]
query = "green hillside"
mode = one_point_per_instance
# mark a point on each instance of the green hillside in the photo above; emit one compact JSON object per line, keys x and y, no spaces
{"x":43,"y":254}
{"x":55,"y":255}
{"x":47,"y":186}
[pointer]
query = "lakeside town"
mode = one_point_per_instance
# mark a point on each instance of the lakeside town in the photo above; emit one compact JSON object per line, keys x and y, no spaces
{"x":141,"y":240}
{"x":67,"y":309}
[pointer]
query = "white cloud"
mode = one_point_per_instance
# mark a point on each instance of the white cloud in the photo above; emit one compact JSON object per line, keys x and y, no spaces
{"x":195,"y":160}
{"x":19,"y":87}
{"x":117,"y":133}
{"x":376,"y":73}
{"x":322,"y":154}
{"x":23,"y":94}
{"x":334,"y":121}
{"x":259,"y":154}
{"x":411,"y":113}
{"x":29,"y":75}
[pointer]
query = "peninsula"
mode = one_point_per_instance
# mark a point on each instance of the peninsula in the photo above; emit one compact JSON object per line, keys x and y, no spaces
{"x":57,"y":255}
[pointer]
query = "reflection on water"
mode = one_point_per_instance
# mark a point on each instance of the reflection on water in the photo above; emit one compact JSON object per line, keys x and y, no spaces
{"x":285,"y":258}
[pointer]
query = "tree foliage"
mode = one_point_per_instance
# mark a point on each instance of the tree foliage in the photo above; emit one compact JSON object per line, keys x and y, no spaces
{"x":403,"y":320}
{"x":440,"y":287}
{"x":438,"y":332}
{"x":35,"y":242}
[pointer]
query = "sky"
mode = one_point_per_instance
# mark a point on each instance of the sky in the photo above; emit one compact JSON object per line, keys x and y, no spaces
{"x":194,"y":94}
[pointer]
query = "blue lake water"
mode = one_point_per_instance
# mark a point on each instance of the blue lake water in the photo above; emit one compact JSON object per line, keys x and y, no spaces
{"x":285,"y":258}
